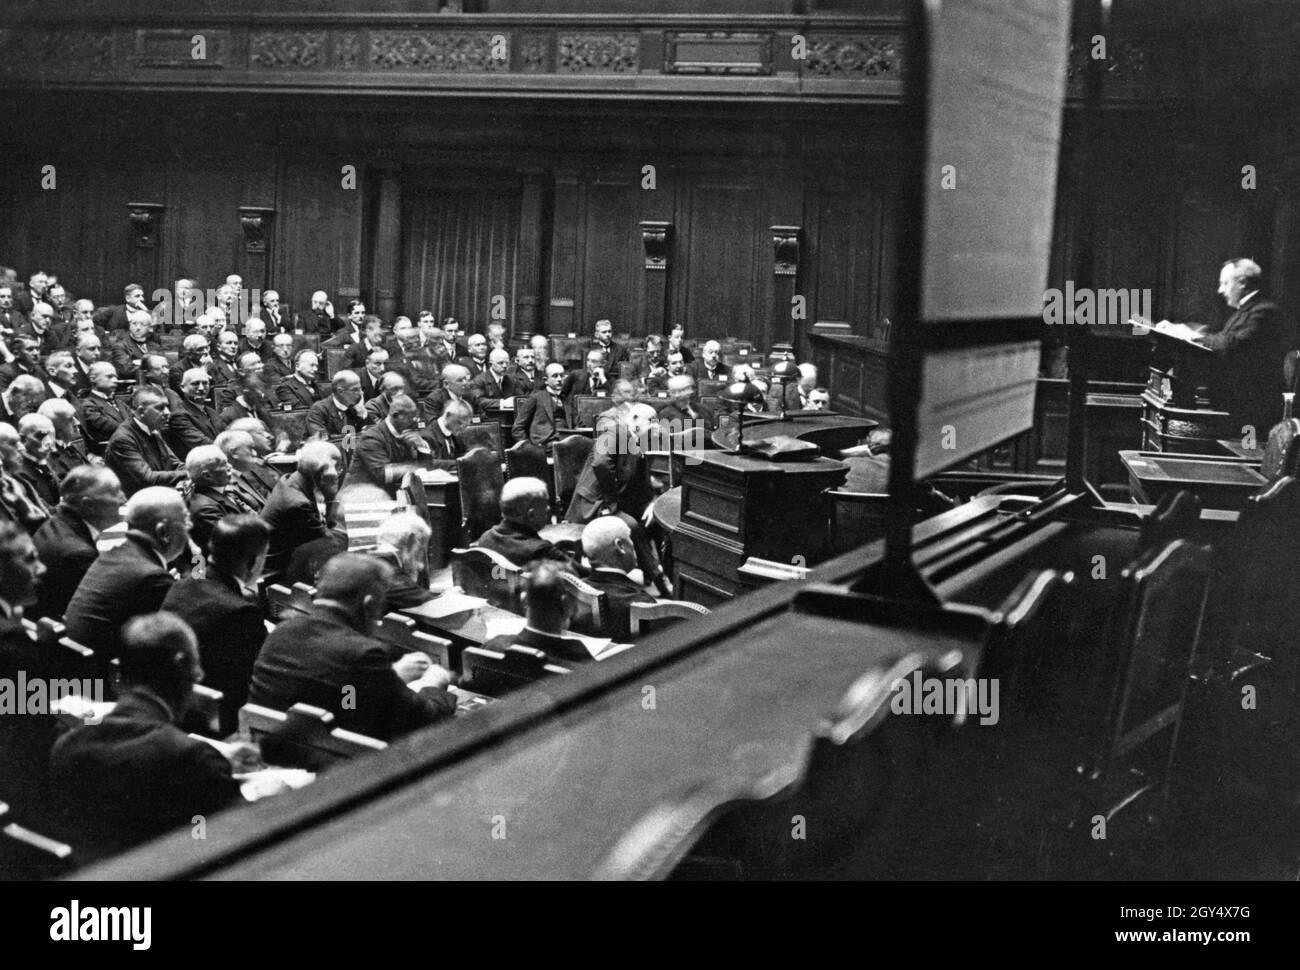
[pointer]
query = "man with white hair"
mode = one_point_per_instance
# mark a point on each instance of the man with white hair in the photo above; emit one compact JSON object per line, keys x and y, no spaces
{"x":91,"y":502}
{"x":607,"y":544}
{"x":280,"y":364}
{"x":19,"y":503}
{"x":132,"y":578}
{"x":195,"y":352}
{"x":320,"y":318}
{"x":496,"y":386}
{"x":403,"y":540}
{"x":23,"y":396}
{"x":211,"y":498}
{"x":299,"y":389}
{"x":342,"y":411}
{"x":254,"y":339}
{"x":686,"y":411}
{"x":137,"y":451}
{"x":385,"y":452}
{"x":253,"y":478}
{"x":525,"y":510}
{"x":135,"y":344}
{"x":303,"y":507}
{"x":796,"y":394}
{"x":62,"y":382}
{"x":35,"y":444}
{"x":69,"y":450}
{"x":272,"y":314}
{"x":708,"y":366}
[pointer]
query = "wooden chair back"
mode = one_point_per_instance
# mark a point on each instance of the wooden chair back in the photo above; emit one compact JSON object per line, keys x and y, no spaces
{"x":488,"y":574}
{"x":646,"y":618}
{"x":571,"y":454}
{"x":494,"y":673}
{"x":480,"y":492}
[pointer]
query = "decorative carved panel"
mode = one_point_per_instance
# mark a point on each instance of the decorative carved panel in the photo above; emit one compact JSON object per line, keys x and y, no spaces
{"x":71,"y":48}
{"x":277,"y":50}
{"x":785,"y":245}
{"x":654,"y":237}
{"x":598,"y":53}
{"x":534,"y":53}
{"x":347,"y":49}
{"x":717,"y":52}
{"x":255,"y":221}
{"x":146,"y":218}
{"x":434,"y":51}
{"x":180,"y":48}
{"x":856,"y":56}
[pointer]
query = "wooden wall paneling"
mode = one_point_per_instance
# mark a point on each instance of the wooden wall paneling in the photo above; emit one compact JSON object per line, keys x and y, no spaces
{"x":613,"y":275}
{"x":386,"y":264}
{"x":535,"y":213}
{"x":568,"y":226}
{"x":725,"y":287}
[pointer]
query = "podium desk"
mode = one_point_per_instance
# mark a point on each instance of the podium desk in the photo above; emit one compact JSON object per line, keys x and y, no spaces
{"x":1219,"y":482}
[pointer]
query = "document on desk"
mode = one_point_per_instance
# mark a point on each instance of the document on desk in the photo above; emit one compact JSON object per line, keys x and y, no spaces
{"x":448,"y":604}
{"x":271,"y":781}
{"x":436,"y":476}
{"x":600,"y":648}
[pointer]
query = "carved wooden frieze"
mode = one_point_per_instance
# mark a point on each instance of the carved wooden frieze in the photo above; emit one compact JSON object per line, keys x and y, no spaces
{"x":534,"y":53}
{"x":439,"y":51}
{"x":189,"y":48}
{"x":255,"y":222}
{"x":785,"y":247}
{"x":146,"y":220}
{"x":717,"y":52}
{"x":858,"y":56}
{"x":287,"y":50}
{"x":654,"y":237}
{"x":347,"y":49}
{"x":593,"y":53}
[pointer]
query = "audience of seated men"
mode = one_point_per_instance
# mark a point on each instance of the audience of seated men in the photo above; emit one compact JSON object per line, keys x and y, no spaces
{"x":403,"y":542}
{"x":131,"y":578}
{"x":545,"y":416}
{"x":193,"y":422}
{"x":386,"y":452}
{"x":607,"y":544}
{"x":548,"y":607}
{"x":444,"y":445}
{"x":342,"y":411}
{"x":91,"y":502}
{"x":525,"y":510}
{"x":19,"y":503}
{"x":299,"y":389}
{"x":135,"y":774}
{"x":658,"y":380}
{"x":328,"y":658}
{"x":137,"y":451}
{"x":224,"y":611}
{"x":302,"y":507}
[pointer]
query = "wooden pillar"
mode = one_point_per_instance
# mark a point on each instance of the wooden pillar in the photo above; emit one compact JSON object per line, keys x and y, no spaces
{"x":386,"y":266}
{"x":255,"y":264}
{"x":655,"y":238}
{"x":534,"y":242}
{"x":786,"y":336}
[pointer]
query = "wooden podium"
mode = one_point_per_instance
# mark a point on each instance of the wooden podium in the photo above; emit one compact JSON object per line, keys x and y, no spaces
{"x":1176,"y":417}
{"x":736,"y":506}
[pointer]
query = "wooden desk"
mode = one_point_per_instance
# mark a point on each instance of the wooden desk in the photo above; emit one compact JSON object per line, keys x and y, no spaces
{"x":1234,"y":447}
{"x":1222,"y":483}
{"x":468,"y":629}
{"x":829,"y":432}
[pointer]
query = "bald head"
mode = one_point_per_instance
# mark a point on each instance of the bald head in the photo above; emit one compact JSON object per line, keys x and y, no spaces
{"x":62,"y":415}
{"x":239,"y":448}
{"x":319,"y":461}
{"x":525,"y":501}
{"x":623,"y":392}
{"x":94,"y":493}
{"x":357,"y":583}
{"x":456,"y":379}
{"x":207,"y":466}
{"x":195,"y":344}
{"x":159,"y":513}
{"x":607,"y":541}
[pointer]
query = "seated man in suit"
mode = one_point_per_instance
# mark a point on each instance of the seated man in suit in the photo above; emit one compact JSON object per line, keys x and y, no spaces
{"x":545,"y":416}
{"x":137,"y":451}
{"x":35,"y":444}
{"x":370,"y":371}
{"x":675,"y":366}
{"x":476,"y":359}
{"x":525,"y":510}
{"x":211,"y":498}
{"x":372,"y":339}
{"x":61,"y":368}
{"x":21,"y":573}
{"x":677,"y":343}
{"x":299,"y":390}
{"x":254,"y":340}
{"x":320,"y":318}
{"x":495,"y":386}
{"x":273,"y":315}
{"x":709,"y":366}
{"x":754,"y":397}
{"x":101,"y":414}
{"x":303,"y":506}
{"x":525,"y":375}
{"x":21,"y":397}
{"x":403,"y":541}
{"x":548,"y":608}
{"x":686,"y":411}
{"x":245,"y":396}
{"x":592,"y":379}
{"x":92,"y":498}
{"x":116,"y":318}
{"x":457,"y":385}
{"x":797,"y":394}
{"x":224,"y":612}
{"x":616,"y":354}
{"x":194,"y":354}
{"x":193,"y":422}
{"x":136,"y":774}
{"x":19,"y":502}
{"x":247,"y":453}
{"x":391,"y":384}
{"x":132,"y":578}
{"x":819,"y":399}
{"x":387,"y":451}
{"x":26,"y":362}
{"x":452,"y":345}
{"x":280,"y":364}
{"x":342,"y":411}
{"x":607,"y":544}
{"x":444,"y":446}
{"x":85,"y":354}
{"x":69,"y":449}
{"x":225,"y":362}
{"x":616,"y":481}
{"x":328,"y":659}
{"x":134,"y":345}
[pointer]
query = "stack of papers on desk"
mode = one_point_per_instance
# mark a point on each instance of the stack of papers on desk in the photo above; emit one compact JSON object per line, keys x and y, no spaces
{"x":449,"y":604}
{"x":437,"y":476}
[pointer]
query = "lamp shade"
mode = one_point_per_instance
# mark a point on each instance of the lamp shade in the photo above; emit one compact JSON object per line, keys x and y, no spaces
{"x":734,"y":394}
{"x":785,"y":371}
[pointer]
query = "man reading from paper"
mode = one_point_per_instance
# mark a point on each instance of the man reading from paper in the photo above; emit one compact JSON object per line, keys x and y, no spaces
{"x":1249,"y":348}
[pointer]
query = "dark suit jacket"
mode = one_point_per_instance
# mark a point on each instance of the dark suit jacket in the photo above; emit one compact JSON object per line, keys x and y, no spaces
{"x":615,"y":355}
{"x":378,"y":456}
{"x":100,"y":418}
{"x":793,"y":402}
{"x":41,"y":480}
{"x":294,"y":519}
{"x":208,"y":506}
{"x":311,"y":658}
{"x":127,"y":354}
{"x":358,"y":352}
{"x":16,"y":368}
{"x":537,"y":418}
{"x":525,"y":384}
{"x":67,"y":456}
{"x":579,"y":382}
{"x":295,"y":393}
{"x":472,"y":365}
{"x":309,"y":321}
{"x":491,"y":391}
{"x":124,"y":582}
{"x":437,"y":400}
{"x":613,"y":480}
{"x":324,"y":418}
{"x":277,"y":370}
{"x":64,"y":544}
{"x":555,"y":646}
{"x":233,"y":411}
{"x":135,"y":775}
{"x":620,"y":593}
{"x":265,"y":350}
{"x":230,"y":631}
{"x":519,"y":544}
{"x":222,"y":370}
{"x":141,"y":459}
{"x":445,"y":450}
{"x":699,"y":370}
{"x":681,"y":419}
{"x":1248,"y":380}
{"x":191,"y":425}
{"x":81,"y":385}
